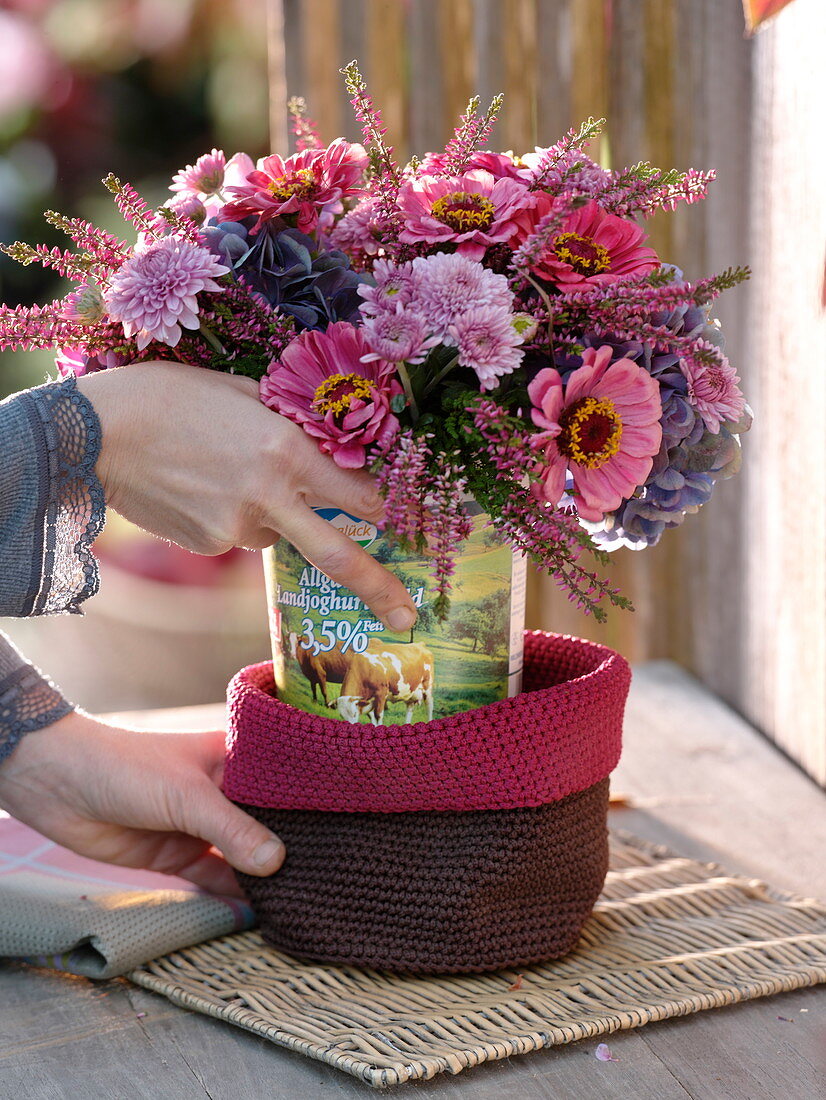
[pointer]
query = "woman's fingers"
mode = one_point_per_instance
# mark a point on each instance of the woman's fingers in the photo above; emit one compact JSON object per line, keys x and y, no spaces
{"x":345,"y":561}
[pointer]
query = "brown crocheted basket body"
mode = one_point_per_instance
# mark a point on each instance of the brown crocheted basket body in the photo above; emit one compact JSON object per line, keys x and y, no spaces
{"x":432,"y":893}
{"x":469,"y":843}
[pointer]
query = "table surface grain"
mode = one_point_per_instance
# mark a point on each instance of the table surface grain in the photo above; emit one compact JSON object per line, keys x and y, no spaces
{"x":696,"y":777}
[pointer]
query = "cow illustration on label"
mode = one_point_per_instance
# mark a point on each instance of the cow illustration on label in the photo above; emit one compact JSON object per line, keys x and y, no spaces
{"x":383,"y":674}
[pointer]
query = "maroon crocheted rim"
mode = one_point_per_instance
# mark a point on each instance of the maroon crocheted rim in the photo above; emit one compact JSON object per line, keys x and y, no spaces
{"x":561,"y":735}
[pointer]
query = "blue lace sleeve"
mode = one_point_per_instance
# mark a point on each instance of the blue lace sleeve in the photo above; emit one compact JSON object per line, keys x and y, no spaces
{"x":51,"y":502}
{"x":51,"y":510}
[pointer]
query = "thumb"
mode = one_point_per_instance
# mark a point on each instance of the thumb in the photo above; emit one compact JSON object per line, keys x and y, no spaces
{"x":245,"y":843}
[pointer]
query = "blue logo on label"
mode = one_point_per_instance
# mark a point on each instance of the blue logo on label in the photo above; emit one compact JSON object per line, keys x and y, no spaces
{"x":359,"y":530}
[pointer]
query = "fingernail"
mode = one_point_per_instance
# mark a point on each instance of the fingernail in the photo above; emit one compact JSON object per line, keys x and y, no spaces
{"x":400,"y":618}
{"x":265,"y":853}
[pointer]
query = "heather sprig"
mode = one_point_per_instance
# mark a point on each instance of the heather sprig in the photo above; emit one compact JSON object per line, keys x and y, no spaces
{"x":69,"y":265}
{"x":644,"y":189}
{"x":303,"y":127}
{"x":447,"y":525}
{"x":134,"y":210}
{"x":572,"y":141}
{"x":106,"y":250}
{"x":400,"y":469}
{"x":386,"y":174}
{"x":470,"y":134}
{"x":31,"y":327}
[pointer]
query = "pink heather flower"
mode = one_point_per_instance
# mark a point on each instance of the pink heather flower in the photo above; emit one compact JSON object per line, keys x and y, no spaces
{"x":398,"y":336}
{"x":395,"y":287}
{"x":592,"y":247}
{"x":488,"y":343}
{"x":448,"y":284}
{"x":602,"y":427}
{"x":154,"y":293}
{"x":203,"y":178}
{"x":322,"y":384}
{"x":308,"y":186}
{"x":473,"y":211}
{"x":84,"y":305}
{"x":713,"y":388}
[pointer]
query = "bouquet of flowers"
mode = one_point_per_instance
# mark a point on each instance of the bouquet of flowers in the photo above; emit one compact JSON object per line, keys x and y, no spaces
{"x":470,"y":323}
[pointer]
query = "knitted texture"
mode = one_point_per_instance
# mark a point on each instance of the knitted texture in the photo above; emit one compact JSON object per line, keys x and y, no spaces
{"x":434,"y":892}
{"x":561,"y":735}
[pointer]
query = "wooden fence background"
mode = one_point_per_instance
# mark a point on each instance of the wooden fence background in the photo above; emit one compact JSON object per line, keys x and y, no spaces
{"x":738,"y":595}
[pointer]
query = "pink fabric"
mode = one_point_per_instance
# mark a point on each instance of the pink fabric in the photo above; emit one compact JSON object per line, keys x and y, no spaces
{"x":562,"y":735}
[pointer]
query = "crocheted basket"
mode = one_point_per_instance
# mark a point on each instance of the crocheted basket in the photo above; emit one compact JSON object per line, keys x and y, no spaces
{"x":464,"y":844}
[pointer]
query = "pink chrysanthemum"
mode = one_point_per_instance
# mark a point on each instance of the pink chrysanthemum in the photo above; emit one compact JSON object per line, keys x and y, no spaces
{"x":592,"y":247}
{"x":321,"y":383}
{"x":189,"y":206}
{"x":713,"y":388}
{"x":398,"y":336}
{"x":308,"y":186}
{"x":602,"y":427}
{"x":203,"y":178}
{"x":448,"y":284}
{"x":488,"y":343}
{"x":395,"y":286}
{"x":154,"y":294}
{"x":472,"y":211}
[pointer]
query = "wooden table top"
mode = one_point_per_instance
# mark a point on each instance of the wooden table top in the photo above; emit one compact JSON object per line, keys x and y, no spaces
{"x":696,"y":777}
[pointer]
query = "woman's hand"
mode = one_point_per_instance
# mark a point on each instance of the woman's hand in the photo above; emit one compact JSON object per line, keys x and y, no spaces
{"x":193,"y":456}
{"x":138,"y":799}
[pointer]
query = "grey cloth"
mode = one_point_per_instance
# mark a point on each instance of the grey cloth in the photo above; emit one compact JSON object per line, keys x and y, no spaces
{"x":51,"y":510}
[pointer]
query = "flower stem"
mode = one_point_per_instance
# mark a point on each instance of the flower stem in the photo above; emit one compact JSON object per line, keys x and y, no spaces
{"x":442,"y":373}
{"x":408,"y":392}
{"x":212,"y":339}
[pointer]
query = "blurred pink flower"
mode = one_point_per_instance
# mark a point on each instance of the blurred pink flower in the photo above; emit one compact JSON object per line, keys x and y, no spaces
{"x":713,"y":388}
{"x":473,"y":211}
{"x":203,"y":178}
{"x":77,"y":362}
{"x":28,"y":67}
{"x":602,"y":426}
{"x":309,"y":186}
{"x":591,"y":247}
{"x":500,"y":165}
{"x":321,"y":383}
{"x":154,"y":293}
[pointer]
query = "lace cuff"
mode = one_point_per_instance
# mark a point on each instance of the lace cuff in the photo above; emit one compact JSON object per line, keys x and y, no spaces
{"x":74,"y":514}
{"x":28,"y":701}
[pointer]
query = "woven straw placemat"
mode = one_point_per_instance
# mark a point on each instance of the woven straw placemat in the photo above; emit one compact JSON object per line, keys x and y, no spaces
{"x":669,"y":936}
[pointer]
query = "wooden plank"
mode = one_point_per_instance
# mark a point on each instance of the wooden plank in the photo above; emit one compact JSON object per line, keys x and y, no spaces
{"x":277,"y":75}
{"x":427,"y":127}
{"x":554,"y":70}
{"x":519,"y":39}
{"x":455,"y":60}
{"x":321,"y":25}
{"x":781,"y":680}
{"x":386,"y":73}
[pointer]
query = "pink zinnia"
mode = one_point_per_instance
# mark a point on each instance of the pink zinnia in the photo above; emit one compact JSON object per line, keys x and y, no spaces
{"x":488,"y":343}
{"x":602,"y":427}
{"x":308,"y":186}
{"x":713,"y":388}
{"x":76,"y":362}
{"x":500,"y":165}
{"x":592,"y":247}
{"x":203,"y":178}
{"x":154,"y":293}
{"x":472,"y":211}
{"x":321,"y":383}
